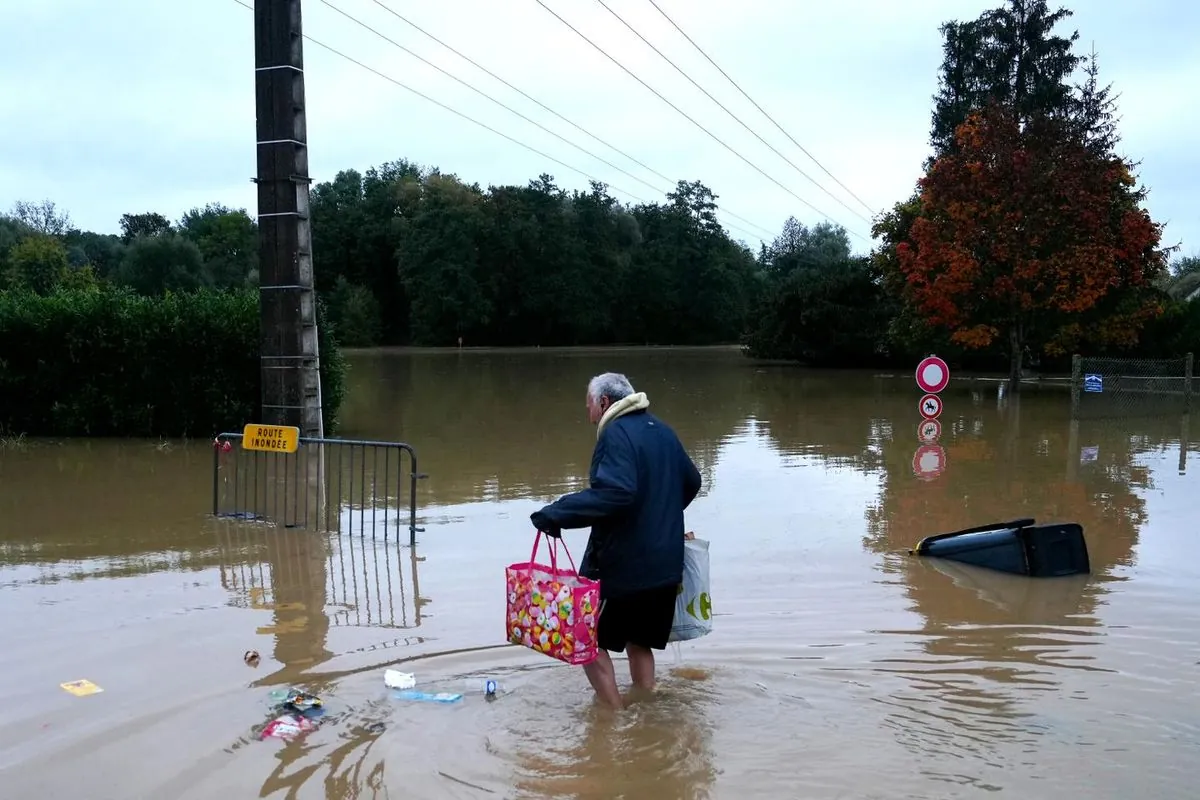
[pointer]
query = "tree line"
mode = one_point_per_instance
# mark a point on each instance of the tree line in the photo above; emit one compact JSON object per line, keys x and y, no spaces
{"x":405,"y":255}
{"x":1026,"y":239}
{"x":154,"y":332}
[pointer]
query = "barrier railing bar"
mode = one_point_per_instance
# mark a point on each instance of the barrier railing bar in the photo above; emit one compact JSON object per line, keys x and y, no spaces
{"x":272,"y":472}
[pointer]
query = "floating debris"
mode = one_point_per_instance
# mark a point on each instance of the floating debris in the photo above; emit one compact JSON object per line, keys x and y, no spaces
{"x":81,"y":688}
{"x":429,"y":697}
{"x":288,"y":727}
{"x":394,"y":679}
{"x":298,"y":710}
{"x":301,"y":701}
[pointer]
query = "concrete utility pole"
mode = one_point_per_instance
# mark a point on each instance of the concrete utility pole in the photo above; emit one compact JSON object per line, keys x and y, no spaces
{"x":291,"y":383}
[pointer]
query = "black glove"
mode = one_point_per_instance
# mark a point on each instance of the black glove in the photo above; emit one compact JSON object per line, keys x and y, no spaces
{"x":543,"y":524}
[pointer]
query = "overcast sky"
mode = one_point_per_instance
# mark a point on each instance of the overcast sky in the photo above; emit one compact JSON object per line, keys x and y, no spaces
{"x":141,"y":105}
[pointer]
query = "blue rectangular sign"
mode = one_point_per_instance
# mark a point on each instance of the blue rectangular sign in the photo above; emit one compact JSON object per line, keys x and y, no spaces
{"x":1093,"y":383}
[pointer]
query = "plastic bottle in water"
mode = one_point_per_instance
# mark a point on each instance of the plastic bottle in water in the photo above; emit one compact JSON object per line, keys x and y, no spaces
{"x":485,"y":686}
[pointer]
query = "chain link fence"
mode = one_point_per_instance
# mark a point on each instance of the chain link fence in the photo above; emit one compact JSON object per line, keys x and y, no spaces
{"x":1132,"y":387}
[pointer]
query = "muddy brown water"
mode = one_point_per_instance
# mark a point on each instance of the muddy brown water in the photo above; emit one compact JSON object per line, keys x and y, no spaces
{"x":838,"y":668}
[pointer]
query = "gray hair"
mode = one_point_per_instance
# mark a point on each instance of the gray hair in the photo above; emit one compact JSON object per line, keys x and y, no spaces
{"x":612,"y":385}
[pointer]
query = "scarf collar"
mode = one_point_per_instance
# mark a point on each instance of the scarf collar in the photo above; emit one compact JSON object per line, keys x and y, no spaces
{"x":634,"y":402}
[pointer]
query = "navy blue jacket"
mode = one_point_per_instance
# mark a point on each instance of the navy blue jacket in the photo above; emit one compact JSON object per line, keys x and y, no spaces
{"x":641,"y":480}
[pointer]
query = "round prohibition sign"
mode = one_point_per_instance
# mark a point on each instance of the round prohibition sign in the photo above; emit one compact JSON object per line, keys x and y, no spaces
{"x":933,"y":375}
{"x":929,"y":431}
{"x":929,"y":461}
{"x":930,"y":407}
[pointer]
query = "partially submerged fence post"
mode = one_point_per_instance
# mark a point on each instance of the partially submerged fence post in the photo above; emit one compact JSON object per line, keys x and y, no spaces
{"x":1076,"y":381}
{"x":1187,"y":384}
{"x":1073,"y":449}
{"x":416,"y":586}
{"x":1184,"y":442}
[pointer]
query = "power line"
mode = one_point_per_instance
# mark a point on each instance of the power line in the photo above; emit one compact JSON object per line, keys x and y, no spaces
{"x":538,"y":102}
{"x":756,"y":105}
{"x":524,"y":94}
{"x":474,"y":121}
{"x":685,"y":115}
{"x":736,"y":118}
{"x":454,"y":111}
{"x":485,"y":95}
{"x":507,"y":107}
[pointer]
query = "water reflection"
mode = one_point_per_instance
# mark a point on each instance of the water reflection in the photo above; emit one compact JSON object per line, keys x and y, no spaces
{"x":840,"y":419}
{"x":316,"y":585}
{"x":969,"y":681}
{"x":991,"y":646}
{"x":890,"y":676}
{"x":311,"y":582}
{"x":1012,"y":461}
{"x":284,"y":572}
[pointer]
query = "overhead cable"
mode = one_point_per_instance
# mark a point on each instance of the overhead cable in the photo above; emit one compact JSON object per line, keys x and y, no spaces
{"x":479,"y":91}
{"x":735,"y":117}
{"x":690,"y":119}
{"x":756,"y":105}
{"x":483,"y":125}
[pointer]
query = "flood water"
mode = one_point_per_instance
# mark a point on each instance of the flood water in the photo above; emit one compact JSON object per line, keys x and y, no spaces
{"x":839,"y":666}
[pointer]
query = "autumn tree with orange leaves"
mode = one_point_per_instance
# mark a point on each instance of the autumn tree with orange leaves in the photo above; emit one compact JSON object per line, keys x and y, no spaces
{"x":1026,"y":233}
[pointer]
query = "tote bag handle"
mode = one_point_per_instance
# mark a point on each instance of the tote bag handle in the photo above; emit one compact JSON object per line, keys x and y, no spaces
{"x":552,"y":545}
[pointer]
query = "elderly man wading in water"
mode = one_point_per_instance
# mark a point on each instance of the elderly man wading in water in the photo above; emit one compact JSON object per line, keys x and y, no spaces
{"x":640,"y":482}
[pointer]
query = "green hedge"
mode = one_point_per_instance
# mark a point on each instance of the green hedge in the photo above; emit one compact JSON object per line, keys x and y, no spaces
{"x":108,"y":362}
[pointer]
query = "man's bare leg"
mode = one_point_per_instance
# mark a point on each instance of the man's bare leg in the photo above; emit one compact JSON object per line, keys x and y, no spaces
{"x":641,"y":666}
{"x":603,"y":677}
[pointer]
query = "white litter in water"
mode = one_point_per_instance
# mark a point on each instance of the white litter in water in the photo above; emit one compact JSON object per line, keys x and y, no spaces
{"x":394,"y":679}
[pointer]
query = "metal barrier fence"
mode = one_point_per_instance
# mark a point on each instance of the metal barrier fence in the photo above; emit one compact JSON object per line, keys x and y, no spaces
{"x":1124,"y":387}
{"x":329,"y":485}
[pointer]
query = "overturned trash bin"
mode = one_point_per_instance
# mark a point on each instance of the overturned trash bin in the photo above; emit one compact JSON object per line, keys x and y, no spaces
{"x":1020,"y":547}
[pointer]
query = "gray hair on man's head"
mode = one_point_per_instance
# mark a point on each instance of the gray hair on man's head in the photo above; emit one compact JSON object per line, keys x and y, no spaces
{"x":612,"y":385}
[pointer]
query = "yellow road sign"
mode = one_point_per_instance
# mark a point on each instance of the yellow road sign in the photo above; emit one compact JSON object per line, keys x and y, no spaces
{"x":271,"y":438}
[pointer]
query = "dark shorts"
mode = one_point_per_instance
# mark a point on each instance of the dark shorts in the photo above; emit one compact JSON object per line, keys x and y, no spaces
{"x":643,"y":618}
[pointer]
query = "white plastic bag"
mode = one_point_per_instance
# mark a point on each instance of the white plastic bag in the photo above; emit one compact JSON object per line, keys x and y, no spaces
{"x":693,"y":605}
{"x":395,"y":679}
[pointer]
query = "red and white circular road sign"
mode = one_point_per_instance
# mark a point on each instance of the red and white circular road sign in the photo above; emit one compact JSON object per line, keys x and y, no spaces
{"x":932,"y":374}
{"x":929,"y":461}
{"x":929,"y":431}
{"x":930,"y":406}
